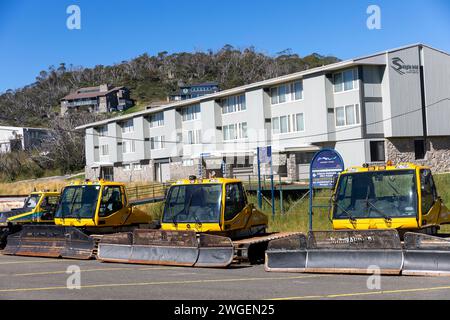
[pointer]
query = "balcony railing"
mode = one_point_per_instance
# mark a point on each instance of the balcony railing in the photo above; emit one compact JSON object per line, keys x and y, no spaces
{"x":82,"y":103}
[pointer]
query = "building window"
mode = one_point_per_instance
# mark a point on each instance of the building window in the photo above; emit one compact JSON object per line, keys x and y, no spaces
{"x":235,"y":131}
{"x":286,"y":93}
{"x":157,"y":120}
{"x":298,"y":90}
{"x":128,"y":126}
{"x":377,"y":153}
{"x":137,"y":166}
{"x":346,"y":80}
{"x":276,"y":125}
{"x":127,"y":167}
{"x":157,"y":143}
{"x":347,"y":116}
{"x":191,"y":113}
{"x":188,"y":162}
{"x":233,"y":104}
{"x":419,"y":149}
{"x":288,"y":123}
{"x":102,"y":131}
{"x":128,"y":146}
{"x":104,"y":150}
{"x":284,"y":124}
{"x":193,"y":137}
{"x":299,"y":123}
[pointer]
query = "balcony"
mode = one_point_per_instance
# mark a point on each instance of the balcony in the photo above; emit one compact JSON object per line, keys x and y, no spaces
{"x":80,"y":103}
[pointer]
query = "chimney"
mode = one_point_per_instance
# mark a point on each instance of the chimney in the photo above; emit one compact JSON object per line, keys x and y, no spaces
{"x":103,"y":87}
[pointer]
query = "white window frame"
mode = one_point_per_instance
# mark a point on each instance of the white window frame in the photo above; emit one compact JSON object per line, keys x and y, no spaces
{"x":102,"y":131}
{"x":294,"y":124}
{"x":238,"y":104}
{"x":137,"y":166}
{"x":157,"y":143}
{"x":128,"y":126}
{"x":356,"y":115}
{"x":192,"y":112}
{"x":132,"y":146}
{"x":127,"y":167}
{"x":288,"y":123}
{"x":187,"y":163}
{"x":193,"y":137}
{"x":291,"y":123}
{"x":289,"y":95}
{"x":157,"y":120}
{"x":103,"y":148}
{"x":355,"y":82}
{"x":240,"y":131}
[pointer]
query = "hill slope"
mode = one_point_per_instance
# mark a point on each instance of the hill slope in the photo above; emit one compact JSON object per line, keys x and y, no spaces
{"x":150,"y":78}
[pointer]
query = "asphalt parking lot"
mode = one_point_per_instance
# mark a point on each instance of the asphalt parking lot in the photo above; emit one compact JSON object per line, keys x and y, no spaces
{"x":42,"y":278}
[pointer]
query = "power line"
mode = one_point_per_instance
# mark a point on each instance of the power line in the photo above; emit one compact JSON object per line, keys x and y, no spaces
{"x":257,"y":141}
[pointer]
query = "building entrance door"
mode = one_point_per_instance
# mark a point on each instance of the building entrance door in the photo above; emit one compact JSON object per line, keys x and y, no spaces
{"x":162,"y":172}
{"x":107,"y":173}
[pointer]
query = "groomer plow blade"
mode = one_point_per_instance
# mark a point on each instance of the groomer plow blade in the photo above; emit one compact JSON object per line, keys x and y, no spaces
{"x":354,"y":251}
{"x":426,"y":255}
{"x":173,"y":248}
{"x":50,"y":241}
{"x":287,"y":254}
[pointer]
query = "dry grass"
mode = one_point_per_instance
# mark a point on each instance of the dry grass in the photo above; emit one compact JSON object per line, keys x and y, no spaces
{"x":296,"y":214}
{"x":24,"y":188}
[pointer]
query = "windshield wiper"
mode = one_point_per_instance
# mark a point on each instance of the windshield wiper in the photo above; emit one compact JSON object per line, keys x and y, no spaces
{"x":393,"y":188}
{"x":197,"y":220}
{"x":349,"y":215}
{"x":174,"y":216}
{"x":371,"y":205}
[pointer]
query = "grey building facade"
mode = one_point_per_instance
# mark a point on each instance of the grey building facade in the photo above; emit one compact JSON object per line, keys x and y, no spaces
{"x":393,"y":105}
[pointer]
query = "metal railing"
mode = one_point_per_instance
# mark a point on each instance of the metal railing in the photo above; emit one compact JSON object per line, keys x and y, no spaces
{"x":154,"y":190}
{"x":251,"y":182}
{"x":82,"y":103}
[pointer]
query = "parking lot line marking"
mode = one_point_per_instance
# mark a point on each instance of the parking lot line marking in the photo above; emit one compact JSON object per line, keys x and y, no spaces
{"x":87,"y":270}
{"x":354,"y":294}
{"x":108,"y":285}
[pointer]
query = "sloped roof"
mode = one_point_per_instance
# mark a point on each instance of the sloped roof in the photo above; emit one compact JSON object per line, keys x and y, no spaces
{"x":84,"y":95}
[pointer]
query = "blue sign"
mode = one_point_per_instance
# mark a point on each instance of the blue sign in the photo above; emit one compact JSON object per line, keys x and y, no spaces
{"x":265,"y":154}
{"x":325,"y":167}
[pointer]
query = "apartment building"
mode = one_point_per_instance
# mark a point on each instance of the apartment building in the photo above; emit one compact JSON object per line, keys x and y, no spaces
{"x":21,"y":139}
{"x":97,"y":99}
{"x":392,"y":105}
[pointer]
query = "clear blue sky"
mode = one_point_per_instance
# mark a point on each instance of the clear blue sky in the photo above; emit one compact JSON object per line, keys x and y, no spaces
{"x":33,"y":34}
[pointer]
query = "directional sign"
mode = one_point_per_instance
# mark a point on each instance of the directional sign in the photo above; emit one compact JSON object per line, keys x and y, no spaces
{"x":325,"y":167}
